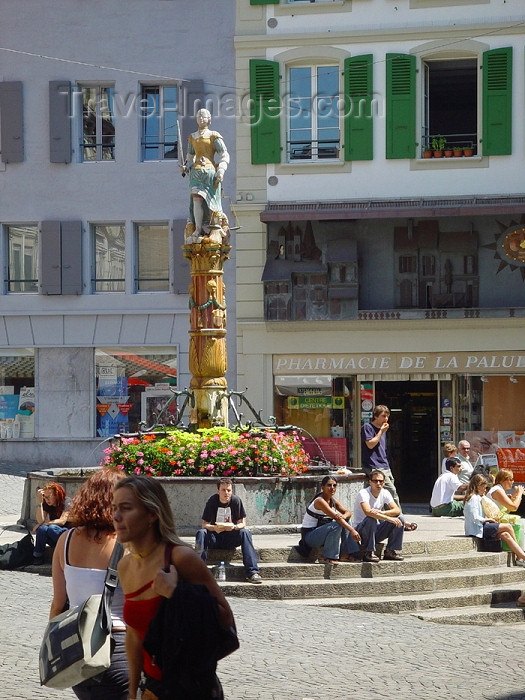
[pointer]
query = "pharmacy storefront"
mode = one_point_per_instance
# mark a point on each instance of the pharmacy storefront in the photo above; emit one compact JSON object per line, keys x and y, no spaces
{"x":434,"y":397}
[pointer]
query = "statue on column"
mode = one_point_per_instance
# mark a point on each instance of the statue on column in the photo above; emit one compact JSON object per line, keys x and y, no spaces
{"x":206,"y":162}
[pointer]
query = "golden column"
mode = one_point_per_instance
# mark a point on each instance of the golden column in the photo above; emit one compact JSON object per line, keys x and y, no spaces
{"x":208,"y":361}
{"x":206,"y":246}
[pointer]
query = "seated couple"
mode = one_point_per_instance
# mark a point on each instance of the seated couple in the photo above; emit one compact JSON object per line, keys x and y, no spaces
{"x":377,"y":517}
{"x":478,"y":525}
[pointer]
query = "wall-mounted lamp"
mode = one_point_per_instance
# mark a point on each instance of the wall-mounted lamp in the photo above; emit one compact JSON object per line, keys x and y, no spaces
{"x":513,"y":379}
{"x":484,"y":379}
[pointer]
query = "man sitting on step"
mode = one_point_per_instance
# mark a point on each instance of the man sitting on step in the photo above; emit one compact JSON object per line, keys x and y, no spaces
{"x":447,"y":495}
{"x":224,"y":527}
{"x":377,"y":517}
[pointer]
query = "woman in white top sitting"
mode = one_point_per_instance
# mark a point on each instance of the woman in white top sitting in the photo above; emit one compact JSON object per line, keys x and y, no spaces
{"x":80,"y":562}
{"x":326,"y":525}
{"x":477,"y":525}
{"x":498,"y":493}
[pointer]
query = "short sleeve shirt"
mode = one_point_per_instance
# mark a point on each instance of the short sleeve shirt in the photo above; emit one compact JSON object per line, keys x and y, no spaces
{"x":366,"y":496}
{"x":374,"y":458}
{"x":217,"y":512}
{"x":444,"y":489}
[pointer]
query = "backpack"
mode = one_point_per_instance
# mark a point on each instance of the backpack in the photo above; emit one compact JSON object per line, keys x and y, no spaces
{"x":17,"y":553}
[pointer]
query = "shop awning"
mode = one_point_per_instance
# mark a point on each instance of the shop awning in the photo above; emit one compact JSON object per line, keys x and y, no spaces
{"x":420,"y":207}
{"x":295,"y":385}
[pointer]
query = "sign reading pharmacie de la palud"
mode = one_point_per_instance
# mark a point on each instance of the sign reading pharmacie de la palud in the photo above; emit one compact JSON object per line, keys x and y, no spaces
{"x":383,"y":363}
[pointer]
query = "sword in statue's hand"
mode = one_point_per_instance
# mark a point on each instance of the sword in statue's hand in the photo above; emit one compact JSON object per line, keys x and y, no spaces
{"x":182,"y":162}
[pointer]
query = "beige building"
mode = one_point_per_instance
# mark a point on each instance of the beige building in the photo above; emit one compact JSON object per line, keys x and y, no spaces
{"x":367,"y":271}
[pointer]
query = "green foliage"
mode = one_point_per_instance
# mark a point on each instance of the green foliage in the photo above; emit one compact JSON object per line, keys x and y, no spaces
{"x":438,"y":143}
{"x":210,"y":452}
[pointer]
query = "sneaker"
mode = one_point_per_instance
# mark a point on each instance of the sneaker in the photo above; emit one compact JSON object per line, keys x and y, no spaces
{"x":254,"y":578}
{"x":371,"y":557}
{"x":391,"y":555}
{"x":520,"y":562}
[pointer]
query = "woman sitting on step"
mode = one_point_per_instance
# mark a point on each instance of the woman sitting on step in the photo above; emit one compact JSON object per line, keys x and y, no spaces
{"x":326,"y":525}
{"x":477,"y":525}
{"x":503,"y":482}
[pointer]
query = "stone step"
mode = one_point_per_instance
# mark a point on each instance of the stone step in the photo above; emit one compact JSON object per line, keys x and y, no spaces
{"x":294,"y":570}
{"x":503,"y":613}
{"x":417,"y":602}
{"x":358,"y":588}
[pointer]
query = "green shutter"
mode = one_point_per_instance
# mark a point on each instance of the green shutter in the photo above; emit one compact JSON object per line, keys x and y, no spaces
{"x":358,"y":124}
{"x":497,"y":102}
{"x":265,"y":110}
{"x":400,"y":106}
{"x":264,"y":2}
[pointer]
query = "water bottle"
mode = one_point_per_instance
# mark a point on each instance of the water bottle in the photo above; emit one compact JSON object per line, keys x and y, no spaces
{"x":221,"y":572}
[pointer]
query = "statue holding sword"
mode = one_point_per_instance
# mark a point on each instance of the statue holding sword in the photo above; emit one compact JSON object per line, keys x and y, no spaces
{"x":206,"y":162}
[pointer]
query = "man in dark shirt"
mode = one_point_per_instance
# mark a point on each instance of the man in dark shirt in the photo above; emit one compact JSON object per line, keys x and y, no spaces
{"x":373,"y":448}
{"x":224,"y":527}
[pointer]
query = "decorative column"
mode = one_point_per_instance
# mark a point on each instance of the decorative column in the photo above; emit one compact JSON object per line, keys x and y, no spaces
{"x":208,"y":361}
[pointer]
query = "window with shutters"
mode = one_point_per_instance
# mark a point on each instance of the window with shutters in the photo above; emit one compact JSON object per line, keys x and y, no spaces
{"x":450,"y":109}
{"x":313,"y":122}
{"x":158,"y":119}
{"x":97,"y":141}
{"x":153,"y":254}
{"x":109,"y":257}
{"x":22,"y":245}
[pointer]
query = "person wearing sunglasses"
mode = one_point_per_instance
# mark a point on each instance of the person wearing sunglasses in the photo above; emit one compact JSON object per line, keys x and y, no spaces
{"x":377,"y":517}
{"x":463,"y":454}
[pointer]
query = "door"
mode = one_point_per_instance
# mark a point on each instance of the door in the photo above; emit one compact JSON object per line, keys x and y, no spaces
{"x":412,"y":437}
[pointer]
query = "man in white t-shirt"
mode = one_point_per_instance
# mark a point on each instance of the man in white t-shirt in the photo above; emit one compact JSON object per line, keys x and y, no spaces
{"x":447,"y":497}
{"x":377,"y":517}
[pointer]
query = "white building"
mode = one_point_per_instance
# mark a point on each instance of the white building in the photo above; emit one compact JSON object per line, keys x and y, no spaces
{"x":94,"y":294}
{"x":368,"y":272}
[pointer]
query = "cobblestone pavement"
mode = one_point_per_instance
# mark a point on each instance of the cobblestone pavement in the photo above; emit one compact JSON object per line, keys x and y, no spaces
{"x":291,"y":652}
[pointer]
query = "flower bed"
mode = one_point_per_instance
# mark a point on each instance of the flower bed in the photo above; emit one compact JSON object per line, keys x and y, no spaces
{"x":210,"y":452}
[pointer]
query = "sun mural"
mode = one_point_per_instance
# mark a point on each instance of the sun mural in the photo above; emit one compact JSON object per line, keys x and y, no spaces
{"x":509,"y":246}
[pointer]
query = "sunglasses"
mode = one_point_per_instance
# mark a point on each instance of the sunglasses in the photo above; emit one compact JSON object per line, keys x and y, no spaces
{"x":378,"y":481}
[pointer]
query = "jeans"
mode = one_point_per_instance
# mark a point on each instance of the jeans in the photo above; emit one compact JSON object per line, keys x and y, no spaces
{"x":242,"y":538}
{"x":46,"y":534}
{"x":372,"y":531}
{"x":333,"y":538}
{"x":113,"y":683}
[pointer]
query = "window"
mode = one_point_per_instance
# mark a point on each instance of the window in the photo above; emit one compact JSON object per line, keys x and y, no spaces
{"x":109,"y":257}
{"x":17,"y":393}
{"x":22,"y":242}
{"x":152,"y":257}
{"x":98,"y":124}
{"x":159,"y":122}
{"x":450,"y":107}
{"x":133,"y":385}
{"x":314,"y":119}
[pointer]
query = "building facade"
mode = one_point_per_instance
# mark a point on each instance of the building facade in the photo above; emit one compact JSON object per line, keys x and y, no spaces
{"x":382,"y":256}
{"x":94,"y":300}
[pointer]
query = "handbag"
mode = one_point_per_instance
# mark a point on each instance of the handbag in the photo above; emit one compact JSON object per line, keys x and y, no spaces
{"x":17,"y":553}
{"x":77,"y":643}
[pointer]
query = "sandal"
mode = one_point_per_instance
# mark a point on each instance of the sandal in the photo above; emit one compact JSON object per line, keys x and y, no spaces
{"x":409,"y":527}
{"x":325,"y":560}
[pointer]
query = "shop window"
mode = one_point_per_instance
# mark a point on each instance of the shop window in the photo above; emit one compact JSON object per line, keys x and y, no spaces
{"x":158,"y":122}
{"x":133,"y":386}
{"x":17,"y":394}
{"x":22,"y":244}
{"x":109,"y":257}
{"x":97,"y":141}
{"x":152,"y":257}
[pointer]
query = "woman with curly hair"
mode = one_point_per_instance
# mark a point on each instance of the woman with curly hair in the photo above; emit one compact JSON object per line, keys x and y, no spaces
{"x":51,"y":517}
{"x":80,"y":562}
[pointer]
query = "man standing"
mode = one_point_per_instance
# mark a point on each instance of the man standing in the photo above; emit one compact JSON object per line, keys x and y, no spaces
{"x":466,"y":465}
{"x":373,"y":448}
{"x":445,"y":500}
{"x":224,"y":527}
{"x":376,"y":518}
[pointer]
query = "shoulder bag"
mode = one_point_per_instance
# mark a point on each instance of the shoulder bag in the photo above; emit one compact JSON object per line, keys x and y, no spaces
{"x":77,"y":643}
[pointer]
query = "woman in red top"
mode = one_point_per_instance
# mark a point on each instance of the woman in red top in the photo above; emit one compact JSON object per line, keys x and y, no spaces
{"x":144,"y":522}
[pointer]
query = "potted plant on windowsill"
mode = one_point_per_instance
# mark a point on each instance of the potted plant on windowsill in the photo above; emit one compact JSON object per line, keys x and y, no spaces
{"x":438,"y":144}
{"x":468,"y":151}
{"x":427,"y":152}
{"x":447,"y":151}
{"x":458,"y":151}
